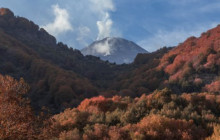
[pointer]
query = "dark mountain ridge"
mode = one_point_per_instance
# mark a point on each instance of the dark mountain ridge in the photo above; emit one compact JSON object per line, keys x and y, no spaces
{"x":61,"y":77}
{"x":30,"y":52}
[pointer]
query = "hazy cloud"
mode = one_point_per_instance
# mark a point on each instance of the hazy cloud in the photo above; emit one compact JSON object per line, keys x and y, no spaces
{"x":102,"y":6}
{"x":84,"y":34}
{"x":61,"y":22}
{"x":212,"y":7}
{"x":182,"y":2}
{"x":172,"y":38}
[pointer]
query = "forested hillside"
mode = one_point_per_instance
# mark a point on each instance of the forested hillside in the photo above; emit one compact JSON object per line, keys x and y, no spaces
{"x":59,"y":77}
{"x":192,"y":66}
{"x":50,"y":91}
{"x":160,"y":114}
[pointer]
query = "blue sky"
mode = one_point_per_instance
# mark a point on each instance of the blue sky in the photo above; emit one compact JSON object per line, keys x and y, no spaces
{"x":150,"y":23}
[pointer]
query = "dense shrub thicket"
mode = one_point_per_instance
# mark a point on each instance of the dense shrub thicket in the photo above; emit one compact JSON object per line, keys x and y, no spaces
{"x":154,"y":116}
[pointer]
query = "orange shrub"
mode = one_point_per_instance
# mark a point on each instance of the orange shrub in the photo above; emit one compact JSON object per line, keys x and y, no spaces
{"x":156,"y":127}
{"x":213,"y":87}
{"x":100,"y":104}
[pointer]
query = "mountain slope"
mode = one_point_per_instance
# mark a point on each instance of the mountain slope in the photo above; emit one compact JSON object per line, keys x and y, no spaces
{"x":192,"y":66}
{"x":58,"y":54}
{"x":29,"y":52}
{"x":116,"y":50}
{"x":51,"y":86}
{"x":195,"y":64}
{"x":61,"y":77}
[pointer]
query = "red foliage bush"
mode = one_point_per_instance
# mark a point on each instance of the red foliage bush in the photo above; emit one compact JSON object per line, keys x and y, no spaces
{"x":100,"y":104}
{"x":213,"y":87}
{"x":156,"y":127}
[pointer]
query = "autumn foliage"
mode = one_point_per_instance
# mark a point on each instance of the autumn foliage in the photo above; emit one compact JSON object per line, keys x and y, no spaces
{"x":155,"y":116}
{"x":196,"y":58}
{"x":17,"y":119}
{"x":172,"y":93}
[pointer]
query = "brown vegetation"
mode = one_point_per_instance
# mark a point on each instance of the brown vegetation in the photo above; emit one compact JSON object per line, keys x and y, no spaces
{"x":17,"y":119}
{"x":60,"y":78}
{"x":155,"y":116}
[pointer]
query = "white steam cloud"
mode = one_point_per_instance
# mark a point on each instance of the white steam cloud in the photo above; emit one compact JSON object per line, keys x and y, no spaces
{"x":103,"y":7}
{"x":93,"y":22}
{"x":103,"y":48}
{"x":61,"y":22}
{"x":104,"y":27}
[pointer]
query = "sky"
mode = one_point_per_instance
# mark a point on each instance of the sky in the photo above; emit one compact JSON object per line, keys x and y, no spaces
{"x":152,"y":24}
